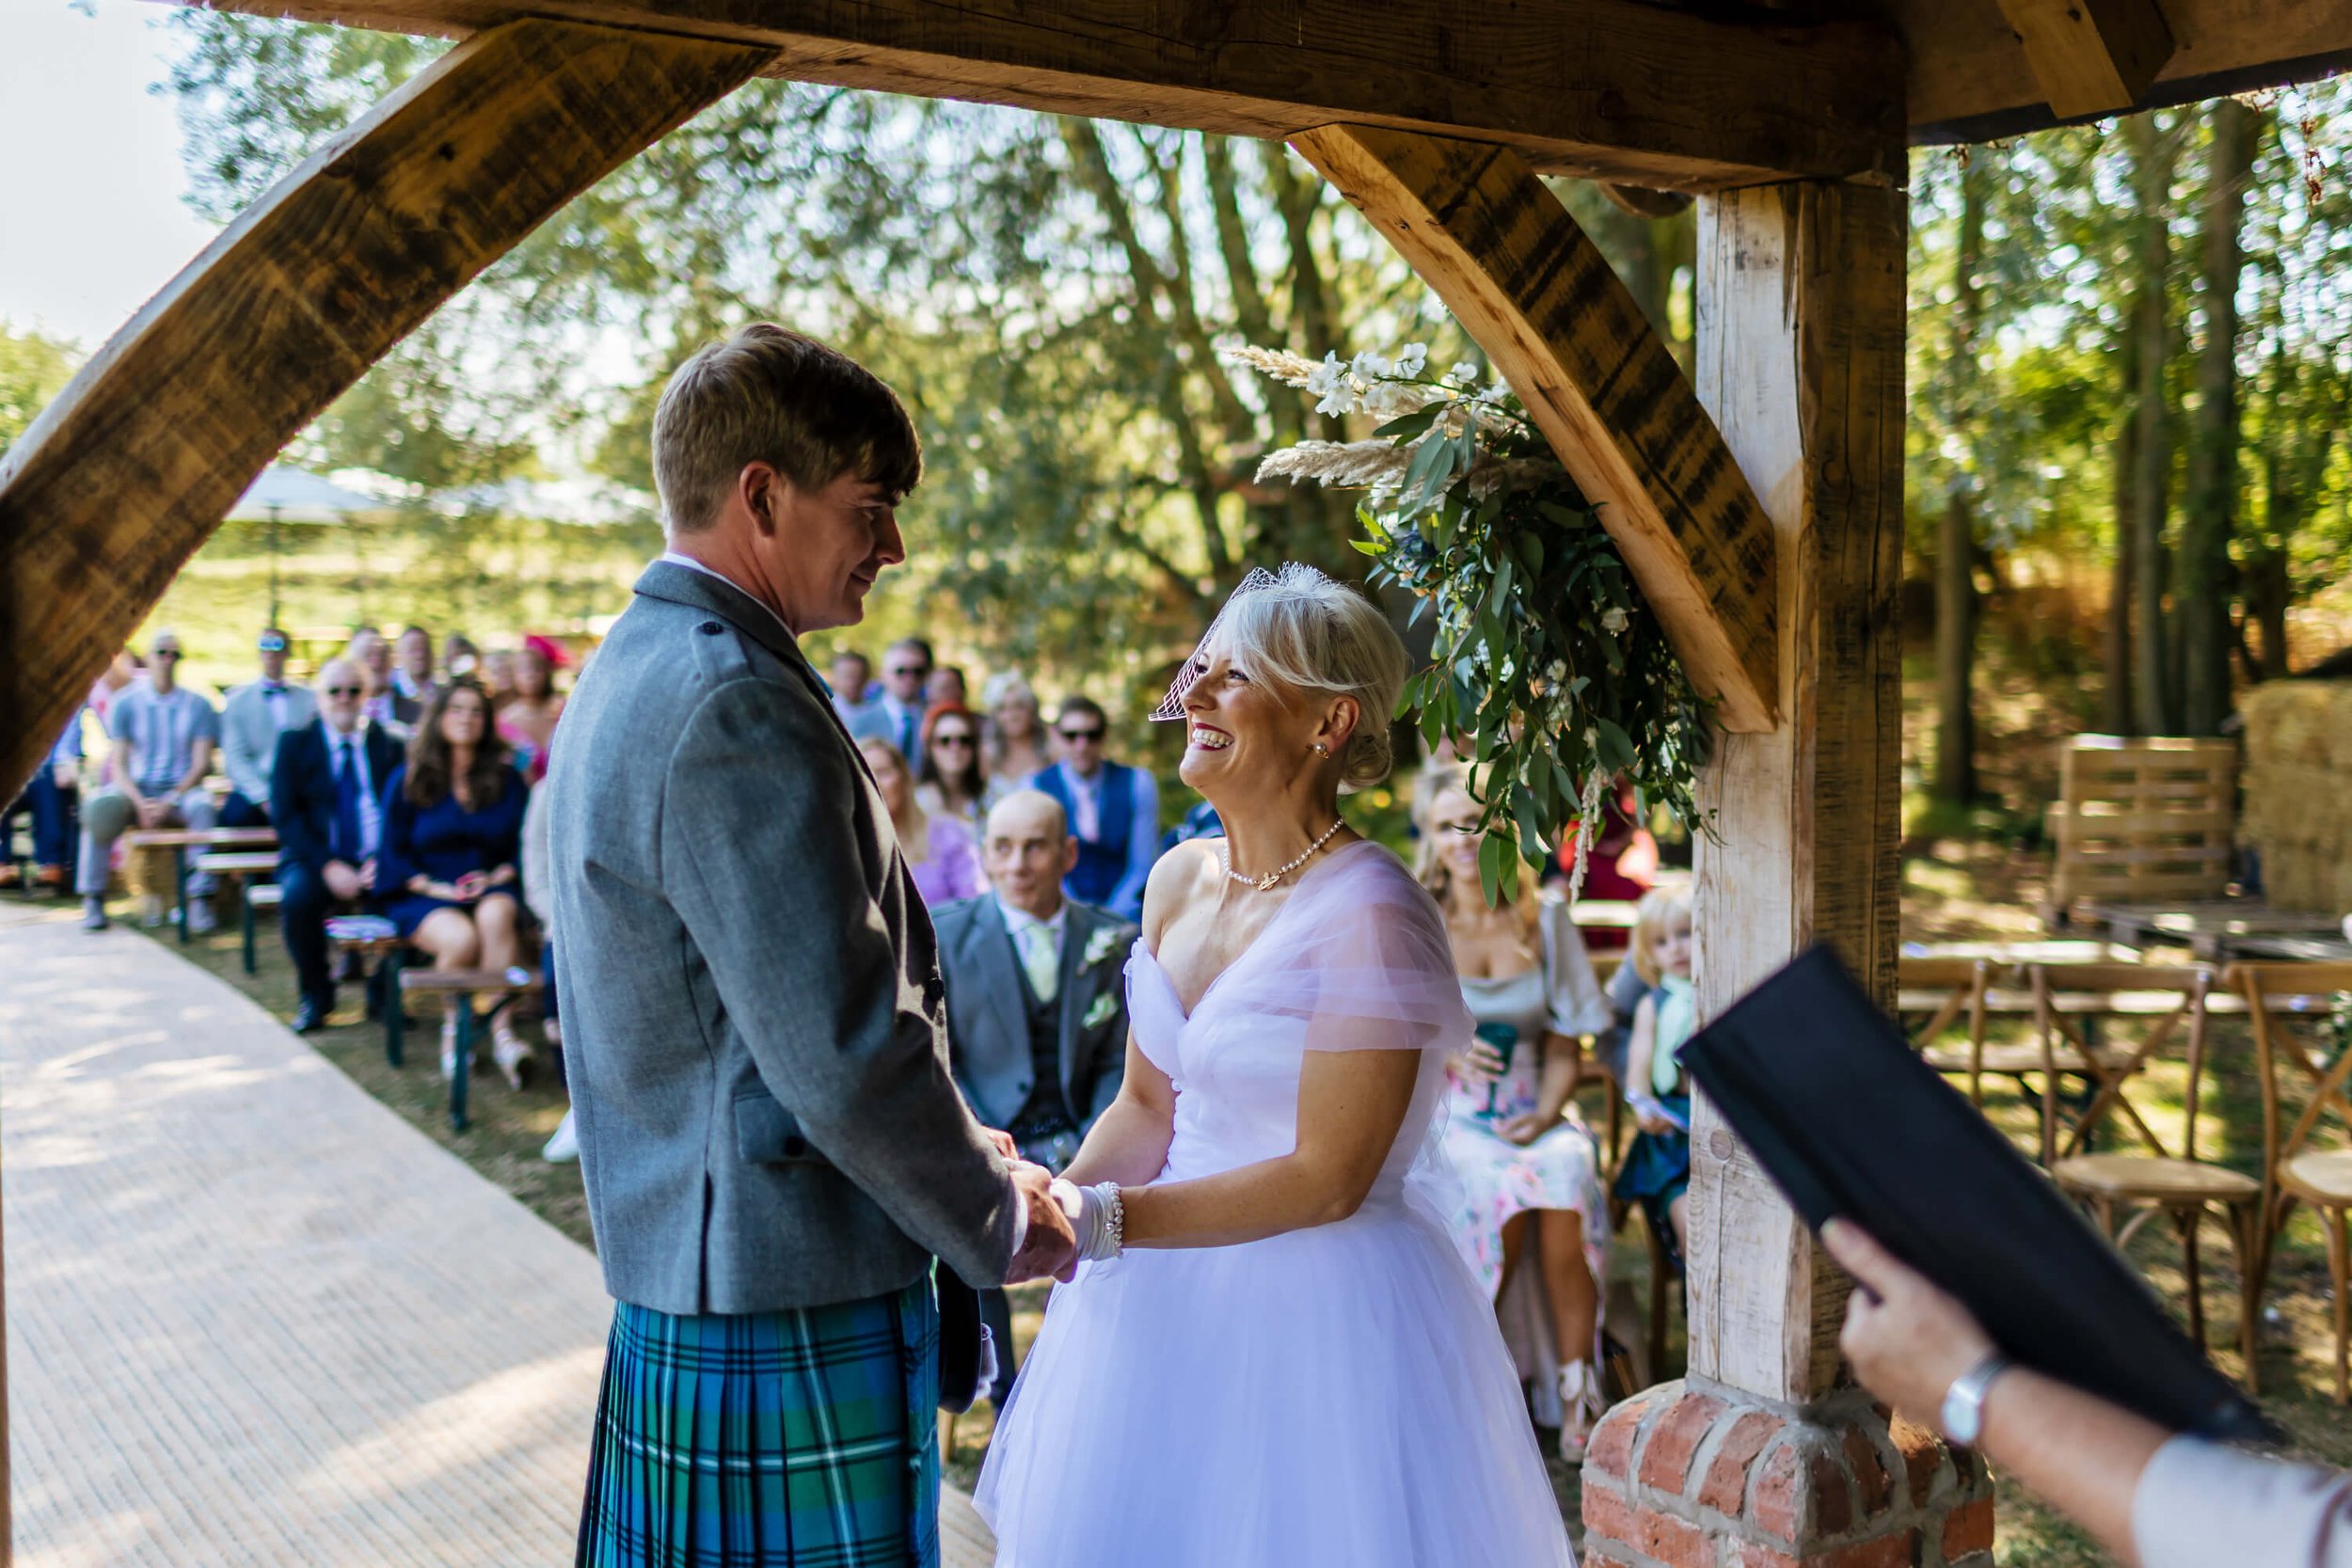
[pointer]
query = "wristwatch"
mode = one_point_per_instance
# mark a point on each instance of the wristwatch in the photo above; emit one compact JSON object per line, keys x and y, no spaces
{"x":1964,"y":1402}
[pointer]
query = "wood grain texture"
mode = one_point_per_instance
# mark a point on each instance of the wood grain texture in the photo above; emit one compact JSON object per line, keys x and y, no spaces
{"x":1481,"y":229}
{"x":1620,"y":88}
{"x":1970,"y":79}
{"x":1800,"y":358}
{"x":2090,"y":57}
{"x":131,"y":469}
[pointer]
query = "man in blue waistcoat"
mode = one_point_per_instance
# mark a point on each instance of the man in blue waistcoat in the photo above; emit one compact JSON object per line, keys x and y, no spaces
{"x":1114,"y":812}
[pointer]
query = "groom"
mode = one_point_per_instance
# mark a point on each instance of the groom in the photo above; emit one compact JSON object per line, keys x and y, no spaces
{"x":773,"y":1146}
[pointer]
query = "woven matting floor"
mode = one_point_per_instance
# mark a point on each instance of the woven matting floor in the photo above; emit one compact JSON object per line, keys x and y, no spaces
{"x":253,"y":1316}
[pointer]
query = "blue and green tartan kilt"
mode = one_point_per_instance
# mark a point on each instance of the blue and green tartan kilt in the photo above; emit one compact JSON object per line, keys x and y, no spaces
{"x":796,"y":1439}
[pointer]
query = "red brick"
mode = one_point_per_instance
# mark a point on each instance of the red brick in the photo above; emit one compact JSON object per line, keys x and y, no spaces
{"x":1967,"y":1469}
{"x":1606,"y":1513}
{"x":1923,"y":1454}
{"x":1968,"y":1529}
{"x":1726,"y":1482}
{"x":1611,"y":1450}
{"x":1676,"y":1544}
{"x":1666,"y":1460}
{"x":1774,"y":1502}
{"x":1754,"y":1555}
{"x":1869,"y":1470}
{"x":1890,"y":1551}
{"x":1833,"y":1507}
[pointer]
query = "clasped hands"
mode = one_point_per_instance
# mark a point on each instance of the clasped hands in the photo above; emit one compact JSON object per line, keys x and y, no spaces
{"x":1068,"y":1224}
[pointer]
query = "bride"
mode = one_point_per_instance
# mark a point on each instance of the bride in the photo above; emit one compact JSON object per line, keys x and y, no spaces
{"x":1273,"y":1355}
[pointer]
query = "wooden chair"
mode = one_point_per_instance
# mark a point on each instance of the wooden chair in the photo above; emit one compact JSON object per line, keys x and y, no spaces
{"x":2182,"y":1187}
{"x":2294,"y":1170}
{"x":1946,"y":991}
{"x":2071,"y":1000}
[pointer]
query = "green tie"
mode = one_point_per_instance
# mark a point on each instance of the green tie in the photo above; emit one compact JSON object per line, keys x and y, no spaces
{"x":1038,"y":957}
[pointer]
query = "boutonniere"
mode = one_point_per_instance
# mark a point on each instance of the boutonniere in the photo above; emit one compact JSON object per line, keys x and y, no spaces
{"x":1098,"y":947}
{"x":1100,"y":1010}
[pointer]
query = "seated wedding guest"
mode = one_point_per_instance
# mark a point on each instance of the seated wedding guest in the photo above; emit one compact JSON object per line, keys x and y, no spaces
{"x":1114,"y":809}
{"x":164,"y":735}
{"x":2154,"y":1498}
{"x":498,"y":676}
{"x":1037,"y":1005}
{"x":326,"y":786}
{"x":50,"y":796}
{"x":952,"y":781}
{"x":459,"y":657}
{"x":897,"y":714}
{"x":452,"y":855}
{"x":527,"y":723}
{"x":251,"y":721}
{"x":1656,"y":1170}
{"x":1016,"y":735}
{"x":382,"y":706}
{"x":943,"y":853}
{"x":946,"y":688}
{"x":851,"y":677}
{"x":412,"y":665}
{"x":1534,"y":1223}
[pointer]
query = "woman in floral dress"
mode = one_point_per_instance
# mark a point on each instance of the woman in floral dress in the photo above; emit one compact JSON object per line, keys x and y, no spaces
{"x":1534,"y":1218}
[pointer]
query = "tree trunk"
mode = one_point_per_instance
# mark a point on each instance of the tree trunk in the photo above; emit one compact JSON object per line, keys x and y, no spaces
{"x":2205,"y":589}
{"x":2115,"y":704}
{"x":2152,"y":153}
{"x":1955,"y":555}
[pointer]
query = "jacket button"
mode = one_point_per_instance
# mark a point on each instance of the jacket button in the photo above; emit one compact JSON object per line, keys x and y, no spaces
{"x":1024,"y":1085}
{"x":709,"y":628}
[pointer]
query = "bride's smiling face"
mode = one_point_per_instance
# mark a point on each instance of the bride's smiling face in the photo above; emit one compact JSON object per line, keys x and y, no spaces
{"x":1246,"y":732}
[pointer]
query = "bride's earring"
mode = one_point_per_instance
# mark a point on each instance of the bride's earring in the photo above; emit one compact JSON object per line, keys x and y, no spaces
{"x":1321,"y":750}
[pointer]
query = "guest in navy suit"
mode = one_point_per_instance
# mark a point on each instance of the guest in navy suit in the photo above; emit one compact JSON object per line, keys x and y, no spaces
{"x":451,"y":871}
{"x":1113,"y":809}
{"x":325,"y":782}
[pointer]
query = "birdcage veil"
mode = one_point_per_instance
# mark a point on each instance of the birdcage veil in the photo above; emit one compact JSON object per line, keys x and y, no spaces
{"x":1294,"y":577}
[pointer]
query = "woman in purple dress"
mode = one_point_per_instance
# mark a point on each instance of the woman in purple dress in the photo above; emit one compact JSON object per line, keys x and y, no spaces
{"x":942,"y":852}
{"x":451,"y":867}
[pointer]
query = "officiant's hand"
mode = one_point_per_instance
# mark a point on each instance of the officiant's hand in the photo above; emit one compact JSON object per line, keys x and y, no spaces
{"x":1001,"y":1141}
{"x":1051,"y":1247}
{"x":1907,"y":1339}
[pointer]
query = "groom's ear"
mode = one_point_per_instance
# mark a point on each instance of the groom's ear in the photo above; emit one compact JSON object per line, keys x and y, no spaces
{"x":761,"y":490}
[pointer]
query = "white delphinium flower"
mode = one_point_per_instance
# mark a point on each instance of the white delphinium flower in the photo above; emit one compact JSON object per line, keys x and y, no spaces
{"x":1371,"y":366}
{"x":1613,"y":620}
{"x":1330,"y":382}
{"x":1412,"y":359}
{"x":1463,"y":373}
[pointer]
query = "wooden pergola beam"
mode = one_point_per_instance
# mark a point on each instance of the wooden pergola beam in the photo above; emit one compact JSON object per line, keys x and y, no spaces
{"x":1481,"y":229}
{"x":1623,"y":89}
{"x":132,"y":468}
{"x":2090,"y":57}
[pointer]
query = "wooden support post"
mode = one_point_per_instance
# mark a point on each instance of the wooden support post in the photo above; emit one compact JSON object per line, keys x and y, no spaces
{"x":2090,"y":57}
{"x":1800,"y":359}
{"x":1484,"y":232}
{"x":132,"y":468}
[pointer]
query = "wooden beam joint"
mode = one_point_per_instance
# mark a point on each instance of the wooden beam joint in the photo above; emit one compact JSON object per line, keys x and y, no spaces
{"x":2091,"y":56}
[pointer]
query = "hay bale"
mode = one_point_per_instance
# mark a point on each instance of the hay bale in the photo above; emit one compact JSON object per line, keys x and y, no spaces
{"x":2298,"y":791}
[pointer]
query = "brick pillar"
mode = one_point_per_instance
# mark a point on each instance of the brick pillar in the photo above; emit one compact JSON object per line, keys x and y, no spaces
{"x":1685,"y":1476}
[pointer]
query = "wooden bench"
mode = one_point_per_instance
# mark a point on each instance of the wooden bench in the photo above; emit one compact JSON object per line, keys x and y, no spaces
{"x":245,"y":866}
{"x":504,"y":986}
{"x":391,"y":954}
{"x":180,"y":840}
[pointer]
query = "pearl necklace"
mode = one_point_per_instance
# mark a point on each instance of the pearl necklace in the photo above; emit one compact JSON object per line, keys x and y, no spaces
{"x":1265,"y":883}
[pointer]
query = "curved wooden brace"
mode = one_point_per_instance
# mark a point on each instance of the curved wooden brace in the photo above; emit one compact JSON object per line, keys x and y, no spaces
{"x":132,"y":468}
{"x":1482,"y":230}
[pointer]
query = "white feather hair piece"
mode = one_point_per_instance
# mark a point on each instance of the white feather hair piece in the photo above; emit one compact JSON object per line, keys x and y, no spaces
{"x":1294,"y":576}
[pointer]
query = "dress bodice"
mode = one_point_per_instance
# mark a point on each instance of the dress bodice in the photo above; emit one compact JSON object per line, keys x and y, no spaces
{"x":1356,"y":959}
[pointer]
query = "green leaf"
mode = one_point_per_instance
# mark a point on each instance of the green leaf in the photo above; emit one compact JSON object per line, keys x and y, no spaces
{"x":1413,"y":423}
{"x":1491,"y":854}
{"x":1616,"y":748}
{"x":1370,"y":548}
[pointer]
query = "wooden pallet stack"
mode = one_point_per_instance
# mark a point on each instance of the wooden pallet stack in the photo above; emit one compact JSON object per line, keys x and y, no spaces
{"x":2144,"y":821}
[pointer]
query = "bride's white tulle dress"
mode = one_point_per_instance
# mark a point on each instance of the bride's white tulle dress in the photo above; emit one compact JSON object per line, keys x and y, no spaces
{"x":1335,"y":1396}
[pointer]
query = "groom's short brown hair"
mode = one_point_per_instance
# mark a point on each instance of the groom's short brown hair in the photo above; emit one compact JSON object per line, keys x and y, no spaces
{"x":771,"y":395}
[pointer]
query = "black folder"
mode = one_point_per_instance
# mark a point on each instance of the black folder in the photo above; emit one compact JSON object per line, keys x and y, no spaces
{"x":1825,"y":1090}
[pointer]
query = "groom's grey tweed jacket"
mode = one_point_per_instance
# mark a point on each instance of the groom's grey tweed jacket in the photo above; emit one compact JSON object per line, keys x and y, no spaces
{"x":752,"y":1016}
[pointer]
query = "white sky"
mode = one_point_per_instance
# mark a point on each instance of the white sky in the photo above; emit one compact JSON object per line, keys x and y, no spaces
{"x":91,"y":223}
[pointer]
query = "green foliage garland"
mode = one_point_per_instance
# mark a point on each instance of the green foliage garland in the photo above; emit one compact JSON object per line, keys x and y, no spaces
{"x":1550,"y":668}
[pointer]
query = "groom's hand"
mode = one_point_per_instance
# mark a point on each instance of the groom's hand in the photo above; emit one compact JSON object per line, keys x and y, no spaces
{"x":1050,"y":1247}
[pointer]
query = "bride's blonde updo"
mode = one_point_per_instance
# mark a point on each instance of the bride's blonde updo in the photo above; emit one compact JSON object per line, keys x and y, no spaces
{"x":1324,"y":638}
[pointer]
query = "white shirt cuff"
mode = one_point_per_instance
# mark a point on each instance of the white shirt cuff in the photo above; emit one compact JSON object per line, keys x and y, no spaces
{"x":2199,"y":1503}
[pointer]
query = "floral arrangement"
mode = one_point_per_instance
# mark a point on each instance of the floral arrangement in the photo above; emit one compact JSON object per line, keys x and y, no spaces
{"x":1550,"y":670}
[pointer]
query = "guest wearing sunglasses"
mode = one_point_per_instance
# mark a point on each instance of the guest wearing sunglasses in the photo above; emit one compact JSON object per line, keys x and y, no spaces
{"x":326,"y":786}
{"x":952,"y":781}
{"x":897,"y":714}
{"x":164,"y":735}
{"x":256,"y":714}
{"x":1114,"y":812}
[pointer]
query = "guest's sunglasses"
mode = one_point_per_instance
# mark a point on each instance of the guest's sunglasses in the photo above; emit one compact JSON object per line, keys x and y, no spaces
{"x":344,"y":691}
{"x":272,"y":644}
{"x":950,"y":740}
{"x":1073,"y":737}
{"x":167,"y":653}
{"x":914,"y":670}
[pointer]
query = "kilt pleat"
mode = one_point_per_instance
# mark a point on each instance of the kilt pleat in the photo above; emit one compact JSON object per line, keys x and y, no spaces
{"x":804,"y":1439}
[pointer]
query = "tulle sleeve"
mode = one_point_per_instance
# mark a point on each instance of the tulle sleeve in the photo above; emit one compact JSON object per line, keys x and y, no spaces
{"x":1365,"y":962}
{"x":1570,"y":990}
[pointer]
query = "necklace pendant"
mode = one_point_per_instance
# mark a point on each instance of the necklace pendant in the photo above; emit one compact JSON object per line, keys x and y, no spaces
{"x":1265,"y":883}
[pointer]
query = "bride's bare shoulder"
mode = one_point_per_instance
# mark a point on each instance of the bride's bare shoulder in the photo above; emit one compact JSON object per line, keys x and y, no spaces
{"x":1177,"y":877}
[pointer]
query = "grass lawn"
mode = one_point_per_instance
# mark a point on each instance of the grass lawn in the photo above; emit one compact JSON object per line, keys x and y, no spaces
{"x":1954,"y":889}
